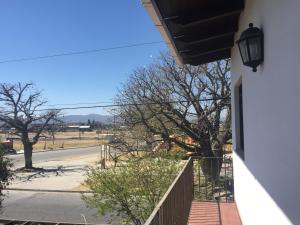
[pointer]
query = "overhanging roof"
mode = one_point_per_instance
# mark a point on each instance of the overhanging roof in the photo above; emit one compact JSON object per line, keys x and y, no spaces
{"x":196,"y":31}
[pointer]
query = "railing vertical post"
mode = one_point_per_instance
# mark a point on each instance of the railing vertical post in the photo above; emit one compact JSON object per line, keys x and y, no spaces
{"x":199,"y":174}
{"x":225,"y":180}
{"x":212,"y":179}
{"x":205,"y":186}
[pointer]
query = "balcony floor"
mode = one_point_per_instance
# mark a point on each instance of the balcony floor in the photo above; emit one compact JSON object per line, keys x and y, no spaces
{"x":214,"y":213}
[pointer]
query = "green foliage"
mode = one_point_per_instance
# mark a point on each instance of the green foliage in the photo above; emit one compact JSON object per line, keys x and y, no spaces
{"x":130,"y":192}
{"x":178,"y":155}
{"x":5,"y":172}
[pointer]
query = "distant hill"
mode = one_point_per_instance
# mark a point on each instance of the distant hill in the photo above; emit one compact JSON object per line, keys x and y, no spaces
{"x":84,"y":118}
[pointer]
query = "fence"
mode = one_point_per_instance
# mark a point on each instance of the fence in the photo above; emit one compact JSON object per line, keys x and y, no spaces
{"x":174,"y":207}
{"x":105,"y":152}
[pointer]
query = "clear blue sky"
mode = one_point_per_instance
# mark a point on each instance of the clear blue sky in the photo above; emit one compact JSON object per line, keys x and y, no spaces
{"x":35,"y":28}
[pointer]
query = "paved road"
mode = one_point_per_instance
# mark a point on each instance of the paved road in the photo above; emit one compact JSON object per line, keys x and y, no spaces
{"x":38,"y":157}
{"x":57,"y":207}
{"x":49,"y":206}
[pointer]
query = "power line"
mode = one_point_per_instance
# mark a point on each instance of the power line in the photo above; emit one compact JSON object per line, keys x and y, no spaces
{"x":128,"y":104}
{"x":79,"y":52}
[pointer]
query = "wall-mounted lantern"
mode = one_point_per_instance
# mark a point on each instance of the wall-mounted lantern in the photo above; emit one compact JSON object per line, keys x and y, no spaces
{"x":251,"y":47}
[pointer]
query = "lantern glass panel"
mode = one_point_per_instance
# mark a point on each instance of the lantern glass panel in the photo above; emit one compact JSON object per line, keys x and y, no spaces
{"x":244,"y":51}
{"x":255,"y":48}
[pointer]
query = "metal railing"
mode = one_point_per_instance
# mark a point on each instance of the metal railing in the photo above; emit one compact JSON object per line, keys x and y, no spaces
{"x":201,"y":179}
{"x":213,"y":179}
{"x":174,"y":207}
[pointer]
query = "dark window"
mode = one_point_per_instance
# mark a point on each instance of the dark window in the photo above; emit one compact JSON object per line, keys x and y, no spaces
{"x":241,"y":117}
{"x":239,"y":121}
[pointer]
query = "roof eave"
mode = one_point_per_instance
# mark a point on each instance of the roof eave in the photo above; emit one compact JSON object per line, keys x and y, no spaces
{"x":154,"y":13}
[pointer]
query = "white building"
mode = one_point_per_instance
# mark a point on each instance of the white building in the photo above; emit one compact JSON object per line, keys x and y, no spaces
{"x":266,"y":110}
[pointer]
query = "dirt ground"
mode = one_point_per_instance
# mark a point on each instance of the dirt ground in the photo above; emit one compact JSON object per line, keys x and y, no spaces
{"x":64,"y":140}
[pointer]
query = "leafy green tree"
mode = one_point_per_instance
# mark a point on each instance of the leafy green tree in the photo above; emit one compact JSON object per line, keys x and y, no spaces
{"x":5,"y":172}
{"x":130,"y":192}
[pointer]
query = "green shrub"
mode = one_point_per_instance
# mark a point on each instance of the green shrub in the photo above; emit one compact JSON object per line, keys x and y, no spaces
{"x":129,"y":193}
{"x":5,"y":172}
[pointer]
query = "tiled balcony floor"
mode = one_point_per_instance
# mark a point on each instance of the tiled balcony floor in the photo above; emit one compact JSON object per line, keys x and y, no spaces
{"x":214,"y":213}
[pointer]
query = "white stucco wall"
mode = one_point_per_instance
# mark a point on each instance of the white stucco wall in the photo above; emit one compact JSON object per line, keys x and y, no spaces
{"x":267,"y":183}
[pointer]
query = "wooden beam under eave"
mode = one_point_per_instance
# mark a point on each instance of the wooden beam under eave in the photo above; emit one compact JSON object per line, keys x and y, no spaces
{"x":195,"y":21}
{"x":207,"y":58}
{"x":211,"y":52}
{"x":216,"y":37}
{"x":192,"y":49}
{"x":206,"y":33}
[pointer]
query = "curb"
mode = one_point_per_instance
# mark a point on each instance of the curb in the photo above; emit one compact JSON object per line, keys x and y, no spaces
{"x":44,"y":190}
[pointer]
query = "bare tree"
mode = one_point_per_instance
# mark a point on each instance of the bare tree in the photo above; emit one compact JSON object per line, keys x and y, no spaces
{"x":53,"y":128}
{"x":130,"y":142}
{"x":20,"y":105}
{"x":179,"y":102}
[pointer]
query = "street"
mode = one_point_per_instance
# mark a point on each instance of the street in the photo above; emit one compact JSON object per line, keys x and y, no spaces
{"x":38,"y":157}
{"x":48,"y":196}
{"x":43,"y":206}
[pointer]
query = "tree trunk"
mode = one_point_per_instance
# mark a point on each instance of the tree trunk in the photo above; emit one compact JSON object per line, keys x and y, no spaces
{"x":28,"y":155}
{"x":211,"y":167}
{"x":211,"y":161}
{"x":53,"y":138}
